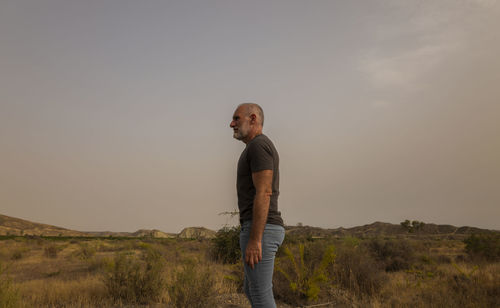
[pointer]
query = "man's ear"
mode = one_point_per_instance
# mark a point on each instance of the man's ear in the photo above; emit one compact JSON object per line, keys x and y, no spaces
{"x":253,"y":118}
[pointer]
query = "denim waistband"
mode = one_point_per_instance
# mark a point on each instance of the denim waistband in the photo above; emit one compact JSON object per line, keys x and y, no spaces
{"x":247,"y":224}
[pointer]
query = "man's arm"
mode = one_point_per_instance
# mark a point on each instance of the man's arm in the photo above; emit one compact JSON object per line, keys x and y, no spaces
{"x":262,"y":181}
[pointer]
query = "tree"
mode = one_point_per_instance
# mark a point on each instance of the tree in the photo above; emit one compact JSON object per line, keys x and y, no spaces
{"x":407,"y":225}
{"x":412,"y":226}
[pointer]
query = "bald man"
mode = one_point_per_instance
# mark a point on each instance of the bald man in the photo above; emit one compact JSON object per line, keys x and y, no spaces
{"x":262,"y":230}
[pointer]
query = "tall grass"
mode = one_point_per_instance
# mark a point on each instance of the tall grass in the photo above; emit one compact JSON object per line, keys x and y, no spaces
{"x":9,"y":295}
{"x":192,"y":286}
{"x":134,"y":281}
{"x":85,"y":292}
{"x":449,"y":287}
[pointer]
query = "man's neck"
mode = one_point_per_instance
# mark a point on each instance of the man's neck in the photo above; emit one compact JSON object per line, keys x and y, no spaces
{"x":252,"y":135}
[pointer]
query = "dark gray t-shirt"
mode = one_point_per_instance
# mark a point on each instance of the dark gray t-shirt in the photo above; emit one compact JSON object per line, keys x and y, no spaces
{"x":259,"y":154}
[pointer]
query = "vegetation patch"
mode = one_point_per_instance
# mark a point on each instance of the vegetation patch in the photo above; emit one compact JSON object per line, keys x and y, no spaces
{"x":396,"y":255}
{"x":301,"y":279}
{"x":51,"y":251}
{"x":226,"y":245}
{"x":483,"y":247}
{"x":358,"y":272}
{"x":9,"y":295}
{"x":192,"y":287}
{"x":133,"y":272}
{"x":134,"y":281}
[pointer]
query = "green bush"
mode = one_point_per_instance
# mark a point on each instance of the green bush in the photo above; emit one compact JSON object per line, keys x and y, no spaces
{"x":133,"y":281}
{"x":192,"y":287}
{"x":483,"y":246}
{"x":226,"y":245}
{"x":304,"y":277}
{"x":9,"y":296}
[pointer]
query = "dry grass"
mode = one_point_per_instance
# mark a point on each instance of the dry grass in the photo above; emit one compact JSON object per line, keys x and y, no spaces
{"x":85,"y":292}
{"x":436,"y":274}
{"x":9,"y":294}
{"x":467,"y":286}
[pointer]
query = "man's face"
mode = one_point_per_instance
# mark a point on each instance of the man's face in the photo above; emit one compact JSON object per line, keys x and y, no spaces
{"x":240,"y":124}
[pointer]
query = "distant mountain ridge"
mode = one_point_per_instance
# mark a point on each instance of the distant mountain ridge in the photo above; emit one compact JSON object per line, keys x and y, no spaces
{"x":139,"y":233}
{"x":16,"y":226}
{"x":386,"y":229}
{"x":19,"y":227}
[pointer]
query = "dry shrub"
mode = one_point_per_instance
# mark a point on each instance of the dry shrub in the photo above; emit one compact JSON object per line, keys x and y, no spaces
{"x":17,"y":254}
{"x":135,"y":281}
{"x":357,"y":271}
{"x":86,"y":251}
{"x":99,"y":264}
{"x":396,"y":255}
{"x":192,"y":287}
{"x":51,"y":251}
{"x":15,"y":250}
{"x":443,"y":259}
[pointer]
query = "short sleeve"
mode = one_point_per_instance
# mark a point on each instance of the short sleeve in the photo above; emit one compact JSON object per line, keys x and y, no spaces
{"x":260,"y":157}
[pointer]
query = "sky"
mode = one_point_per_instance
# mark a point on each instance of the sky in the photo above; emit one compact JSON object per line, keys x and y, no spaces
{"x":114,"y":115}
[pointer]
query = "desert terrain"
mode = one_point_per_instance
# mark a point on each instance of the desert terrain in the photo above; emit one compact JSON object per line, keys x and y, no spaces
{"x":412,"y":264}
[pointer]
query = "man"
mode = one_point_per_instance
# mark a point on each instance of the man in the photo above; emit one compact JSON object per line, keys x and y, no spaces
{"x":262,"y":230}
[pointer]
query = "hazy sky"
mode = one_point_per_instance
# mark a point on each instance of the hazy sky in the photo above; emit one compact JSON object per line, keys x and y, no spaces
{"x":114,"y":115}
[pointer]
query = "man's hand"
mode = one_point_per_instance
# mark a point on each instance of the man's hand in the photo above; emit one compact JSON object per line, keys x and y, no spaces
{"x":253,"y":253}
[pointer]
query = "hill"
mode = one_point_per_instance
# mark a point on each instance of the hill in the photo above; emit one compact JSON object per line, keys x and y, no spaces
{"x":385,"y":229}
{"x":19,"y":227}
{"x":197,"y":232}
{"x":16,"y":226}
{"x":153,"y":233}
{"x":139,"y":233}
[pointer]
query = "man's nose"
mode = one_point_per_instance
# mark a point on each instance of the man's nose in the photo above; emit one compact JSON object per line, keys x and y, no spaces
{"x":231,"y":124}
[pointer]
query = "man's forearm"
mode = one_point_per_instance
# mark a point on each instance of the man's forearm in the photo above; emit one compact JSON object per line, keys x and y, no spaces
{"x":259,"y":219}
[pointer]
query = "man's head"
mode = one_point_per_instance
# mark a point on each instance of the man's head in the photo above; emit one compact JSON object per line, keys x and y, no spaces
{"x":247,"y":122}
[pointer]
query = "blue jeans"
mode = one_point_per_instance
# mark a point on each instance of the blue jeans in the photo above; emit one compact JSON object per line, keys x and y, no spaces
{"x":258,"y":282}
